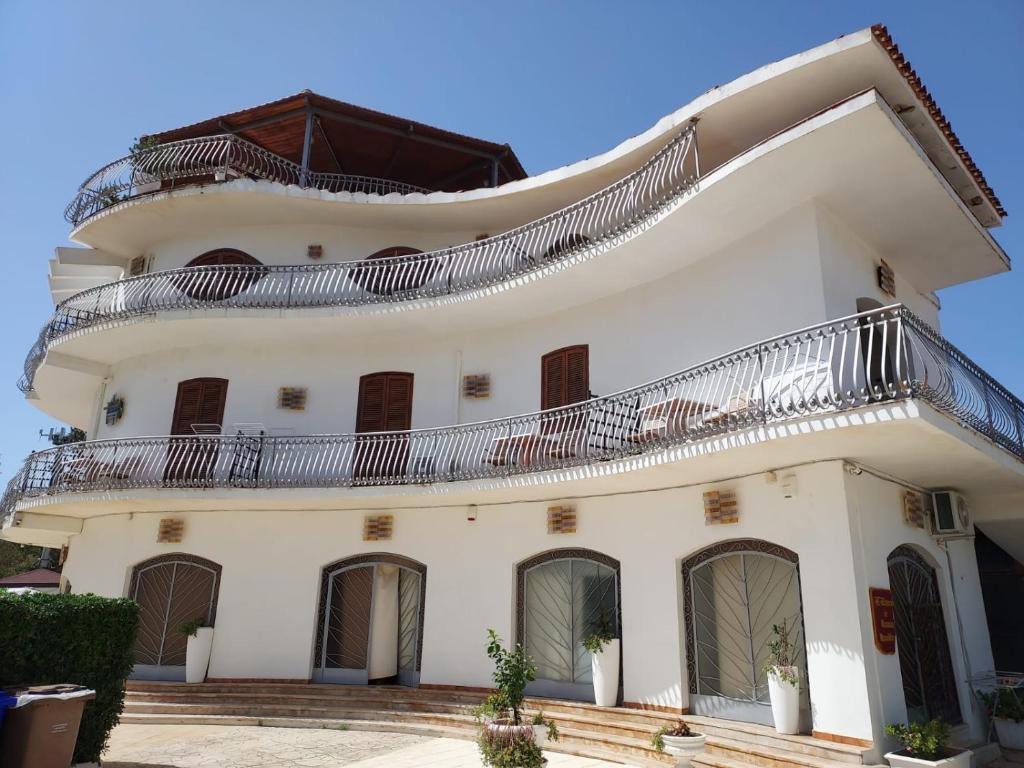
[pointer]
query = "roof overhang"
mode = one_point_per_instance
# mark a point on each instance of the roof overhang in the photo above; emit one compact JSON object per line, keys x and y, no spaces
{"x":348,"y":139}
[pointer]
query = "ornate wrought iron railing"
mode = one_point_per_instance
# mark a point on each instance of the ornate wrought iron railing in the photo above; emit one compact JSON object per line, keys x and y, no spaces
{"x":202,"y":161}
{"x":609,"y":213}
{"x":873,"y":358}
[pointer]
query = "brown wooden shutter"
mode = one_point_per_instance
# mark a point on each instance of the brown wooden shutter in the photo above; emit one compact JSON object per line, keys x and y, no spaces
{"x":385,"y":402}
{"x":199,"y":401}
{"x":565,"y":376}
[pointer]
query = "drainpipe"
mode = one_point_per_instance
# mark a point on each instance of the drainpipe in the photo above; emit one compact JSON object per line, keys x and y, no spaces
{"x":98,"y":410}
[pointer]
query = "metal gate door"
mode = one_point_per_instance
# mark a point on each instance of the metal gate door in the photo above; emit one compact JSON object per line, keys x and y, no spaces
{"x":170,"y":589}
{"x":357,"y":605}
{"x":565,"y":600}
{"x":929,"y":685}
{"x":733,"y":597}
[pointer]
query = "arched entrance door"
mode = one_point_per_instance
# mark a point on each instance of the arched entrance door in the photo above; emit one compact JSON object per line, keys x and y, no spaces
{"x":370,"y":621}
{"x":562,"y":597}
{"x":733,"y":593}
{"x":929,"y":685}
{"x":170,"y":589}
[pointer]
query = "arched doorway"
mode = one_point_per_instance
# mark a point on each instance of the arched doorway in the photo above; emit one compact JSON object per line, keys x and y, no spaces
{"x":170,"y":589}
{"x":219,"y":284}
{"x":562,"y":596}
{"x":733,"y":593}
{"x":370,"y":620}
{"x":929,"y":685}
{"x":886,"y":361}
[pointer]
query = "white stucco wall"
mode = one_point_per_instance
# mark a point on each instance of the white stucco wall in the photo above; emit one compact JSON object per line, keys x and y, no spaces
{"x":272,"y":560}
{"x":877,"y":527}
{"x":284,"y":244}
{"x":849,"y":272}
{"x":647,"y":332}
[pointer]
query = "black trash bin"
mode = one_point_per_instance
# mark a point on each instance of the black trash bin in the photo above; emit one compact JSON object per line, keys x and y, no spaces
{"x":41,"y":729}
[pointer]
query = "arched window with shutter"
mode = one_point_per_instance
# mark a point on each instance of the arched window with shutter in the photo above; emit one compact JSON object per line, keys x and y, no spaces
{"x":238,"y":272}
{"x":198,"y":409}
{"x":385,"y":405}
{"x":565,"y":376}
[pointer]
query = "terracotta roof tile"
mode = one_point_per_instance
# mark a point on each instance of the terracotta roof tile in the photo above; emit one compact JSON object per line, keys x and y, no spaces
{"x":904,"y":67}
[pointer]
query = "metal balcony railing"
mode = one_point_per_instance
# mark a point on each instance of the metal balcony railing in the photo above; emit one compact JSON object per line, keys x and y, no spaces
{"x":613,"y":212}
{"x":202,"y":161}
{"x":872,"y":358}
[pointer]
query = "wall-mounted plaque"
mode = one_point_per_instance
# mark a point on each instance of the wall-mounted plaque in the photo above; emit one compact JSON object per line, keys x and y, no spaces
{"x":883,"y":620}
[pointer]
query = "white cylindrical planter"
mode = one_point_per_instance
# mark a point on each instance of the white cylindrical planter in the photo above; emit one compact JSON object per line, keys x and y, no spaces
{"x":197,"y":655}
{"x":957,"y":760}
{"x":1009,"y":733}
{"x":785,"y":698}
{"x":540,"y":735}
{"x":683,"y":748}
{"x":604,"y":667}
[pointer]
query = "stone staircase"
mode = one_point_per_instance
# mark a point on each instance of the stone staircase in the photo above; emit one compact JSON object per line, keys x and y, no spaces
{"x":613,"y":734}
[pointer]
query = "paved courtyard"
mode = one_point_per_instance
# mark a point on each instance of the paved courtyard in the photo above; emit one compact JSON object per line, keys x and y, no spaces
{"x":216,"y":746}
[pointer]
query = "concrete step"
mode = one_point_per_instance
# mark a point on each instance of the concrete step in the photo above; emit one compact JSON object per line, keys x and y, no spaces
{"x":586,"y":729}
{"x":617,"y":722}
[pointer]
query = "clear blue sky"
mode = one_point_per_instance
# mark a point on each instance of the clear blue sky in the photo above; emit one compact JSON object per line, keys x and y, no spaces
{"x":557,"y":80}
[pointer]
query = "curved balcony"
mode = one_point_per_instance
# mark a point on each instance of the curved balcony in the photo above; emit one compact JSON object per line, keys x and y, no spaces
{"x":570,"y":233}
{"x":203,"y":161}
{"x":874,"y":358}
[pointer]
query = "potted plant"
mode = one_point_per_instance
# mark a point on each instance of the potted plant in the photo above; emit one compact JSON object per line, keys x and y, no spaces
{"x":604,"y":650}
{"x":925,"y":745}
{"x":783,"y":680}
{"x":143,"y":181}
{"x":197,"y":650}
{"x":679,"y":741}
{"x":1006,"y":709}
{"x":506,"y":741}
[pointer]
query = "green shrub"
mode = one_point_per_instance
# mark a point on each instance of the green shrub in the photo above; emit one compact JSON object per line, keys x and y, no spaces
{"x":504,"y":749}
{"x":1004,"y":703}
{"x":928,"y":741}
{"x":81,"y":639}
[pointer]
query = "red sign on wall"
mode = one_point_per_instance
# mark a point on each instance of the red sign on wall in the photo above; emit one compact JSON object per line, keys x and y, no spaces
{"x":883,"y":620}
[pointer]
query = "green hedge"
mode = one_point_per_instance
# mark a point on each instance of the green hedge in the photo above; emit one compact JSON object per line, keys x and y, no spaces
{"x":81,"y":639}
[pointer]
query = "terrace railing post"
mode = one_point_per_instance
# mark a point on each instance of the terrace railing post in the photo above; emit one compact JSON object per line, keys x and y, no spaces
{"x":307,"y":141}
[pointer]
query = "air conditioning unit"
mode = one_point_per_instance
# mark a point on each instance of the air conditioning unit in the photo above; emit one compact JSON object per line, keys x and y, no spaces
{"x":950,"y":514}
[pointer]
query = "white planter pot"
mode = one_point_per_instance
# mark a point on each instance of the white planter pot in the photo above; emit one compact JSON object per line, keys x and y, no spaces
{"x":1009,"y":733}
{"x":540,"y":735}
{"x":785,"y":699}
{"x":604,"y":667}
{"x":197,"y":655}
{"x":900,"y":760}
{"x":683,"y":748}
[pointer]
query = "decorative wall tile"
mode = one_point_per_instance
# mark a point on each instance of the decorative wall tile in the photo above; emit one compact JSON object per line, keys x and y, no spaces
{"x":114,"y":410}
{"x":562,"y":519}
{"x":314,"y":252}
{"x":913,"y":509}
{"x":720,"y":508}
{"x":171,"y":531}
{"x":292,"y":398}
{"x":476,"y":386}
{"x":378,"y":527}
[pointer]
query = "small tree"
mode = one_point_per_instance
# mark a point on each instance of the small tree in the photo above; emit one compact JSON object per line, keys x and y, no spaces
{"x":513,"y":670}
{"x":781,"y":655}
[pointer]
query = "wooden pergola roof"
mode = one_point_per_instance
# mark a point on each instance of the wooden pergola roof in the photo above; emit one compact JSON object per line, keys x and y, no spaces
{"x":345,"y":138}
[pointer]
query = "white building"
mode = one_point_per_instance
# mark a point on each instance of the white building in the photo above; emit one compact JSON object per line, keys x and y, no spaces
{"x":311,"y":345}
